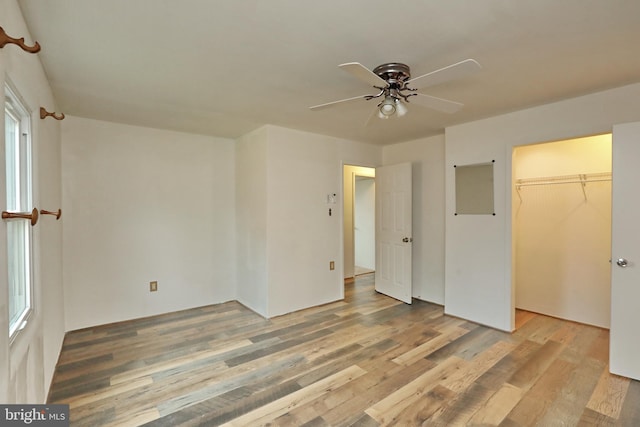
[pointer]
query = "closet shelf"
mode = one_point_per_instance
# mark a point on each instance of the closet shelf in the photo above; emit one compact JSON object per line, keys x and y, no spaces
{"x":583,"y":179}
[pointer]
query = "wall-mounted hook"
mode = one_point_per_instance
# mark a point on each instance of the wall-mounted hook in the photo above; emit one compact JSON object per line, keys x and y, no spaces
{"x":44,"y":114}
{"x":4,"y":39}
{"x":33,"y":216}
{"x":57,"y":214}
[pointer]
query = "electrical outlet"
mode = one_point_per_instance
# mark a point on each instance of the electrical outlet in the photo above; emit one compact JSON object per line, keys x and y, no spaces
{"x":332,"y":265}
{"x":153,"y":286}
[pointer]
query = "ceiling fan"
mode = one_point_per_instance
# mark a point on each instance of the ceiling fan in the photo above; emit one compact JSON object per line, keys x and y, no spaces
{"x":392,"y":80}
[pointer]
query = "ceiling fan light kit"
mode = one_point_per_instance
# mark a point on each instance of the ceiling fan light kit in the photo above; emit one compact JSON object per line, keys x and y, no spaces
{"x":387,"y":107}
{"x":401,"y":109}
{"x":392,"y":80}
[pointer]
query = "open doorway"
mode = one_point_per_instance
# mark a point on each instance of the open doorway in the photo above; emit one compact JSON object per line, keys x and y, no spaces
{"x":364,"y":225}
{"x":359,"y":220}
{"x":561,"y":218}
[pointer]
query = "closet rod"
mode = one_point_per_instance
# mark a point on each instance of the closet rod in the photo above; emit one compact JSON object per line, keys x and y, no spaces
{"x":582,"y":178}
{"x":566,"y":179}
{"x":576,"y":181}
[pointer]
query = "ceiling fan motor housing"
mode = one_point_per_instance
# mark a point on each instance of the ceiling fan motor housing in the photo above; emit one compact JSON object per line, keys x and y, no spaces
{"x":394,"y":73}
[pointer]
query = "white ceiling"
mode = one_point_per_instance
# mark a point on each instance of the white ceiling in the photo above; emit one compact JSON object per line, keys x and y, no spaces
{"x":226,"y":67}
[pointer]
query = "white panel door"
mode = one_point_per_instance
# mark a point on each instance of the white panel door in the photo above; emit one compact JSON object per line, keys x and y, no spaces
{"x":625,"y":248}
{"x":393,"y":231}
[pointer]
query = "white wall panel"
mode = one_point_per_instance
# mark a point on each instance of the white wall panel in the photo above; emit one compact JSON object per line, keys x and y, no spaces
{"x":251,"y":221}
{"x":145,"y":205}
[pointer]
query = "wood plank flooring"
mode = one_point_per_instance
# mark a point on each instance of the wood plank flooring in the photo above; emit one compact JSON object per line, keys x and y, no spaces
{"x":366,"y":361}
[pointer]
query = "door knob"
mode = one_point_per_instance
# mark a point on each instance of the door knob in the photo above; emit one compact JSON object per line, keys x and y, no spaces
{"x":622,"y":262}
{"x":407,"y":239}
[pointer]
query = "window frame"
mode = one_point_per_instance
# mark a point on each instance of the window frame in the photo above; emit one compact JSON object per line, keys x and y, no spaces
{"x":22,"y":192}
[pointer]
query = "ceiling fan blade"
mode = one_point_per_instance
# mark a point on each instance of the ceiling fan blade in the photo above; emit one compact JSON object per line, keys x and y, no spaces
{"x":363,"y":73}
{"x":330,"y":104}
{"x":434,"y":103}
{"x":451,"y":72}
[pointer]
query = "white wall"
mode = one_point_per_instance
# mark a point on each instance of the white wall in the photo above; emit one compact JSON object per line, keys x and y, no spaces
{"x":286,"y":237}
{"x":251,"y":220}
{"x":427,"y":161}
{"x":364,"y":223}
{"x":478,"y":247}
{"x":141,"y":205}
{"x":302,"y":238}
{"x":51,"y":252}
{"x":26,"y":368}
{"x":562,"y":235}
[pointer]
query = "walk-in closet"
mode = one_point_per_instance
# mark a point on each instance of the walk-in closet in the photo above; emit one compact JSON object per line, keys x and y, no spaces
{"x":562,"y":229}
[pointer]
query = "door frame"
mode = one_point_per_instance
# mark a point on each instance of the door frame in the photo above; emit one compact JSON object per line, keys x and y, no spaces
{"x":514,"y":204}
{"x":364,"y":211}
{"x":344,"y":211}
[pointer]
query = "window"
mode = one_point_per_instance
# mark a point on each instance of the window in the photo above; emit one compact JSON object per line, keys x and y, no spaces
{"x":18,"y":180}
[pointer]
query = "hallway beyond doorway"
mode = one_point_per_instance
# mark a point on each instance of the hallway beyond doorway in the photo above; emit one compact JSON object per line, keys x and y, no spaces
{"x":357,"y":270}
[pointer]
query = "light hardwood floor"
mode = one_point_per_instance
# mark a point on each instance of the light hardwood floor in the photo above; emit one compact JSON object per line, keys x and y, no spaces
{"x":366,"y":361}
